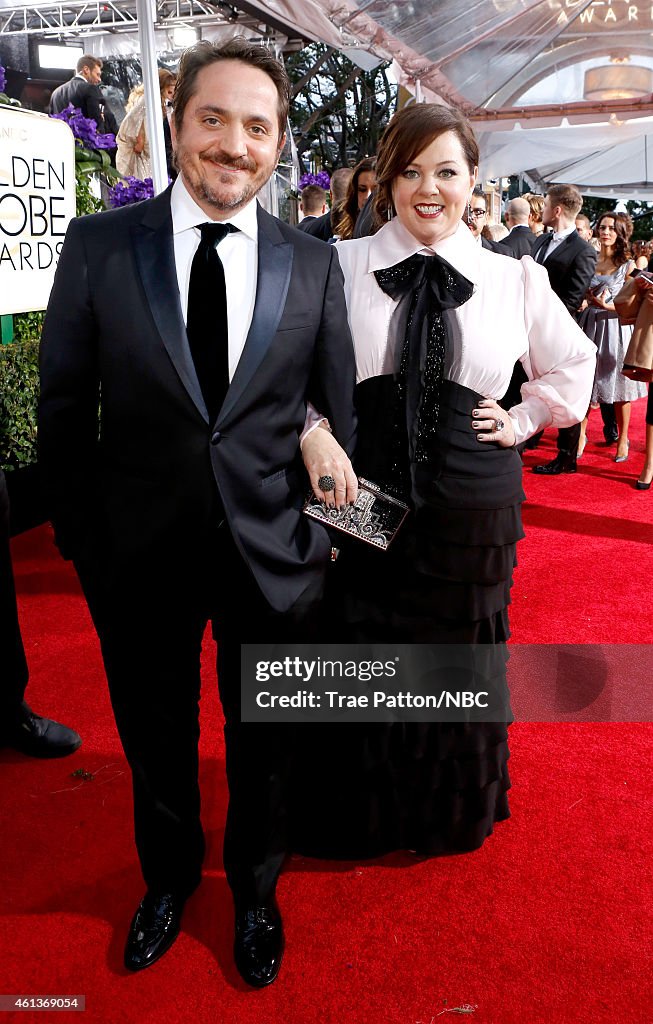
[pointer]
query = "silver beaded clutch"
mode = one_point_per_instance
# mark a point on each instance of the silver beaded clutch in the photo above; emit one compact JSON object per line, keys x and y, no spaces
{"x":374,"y":518}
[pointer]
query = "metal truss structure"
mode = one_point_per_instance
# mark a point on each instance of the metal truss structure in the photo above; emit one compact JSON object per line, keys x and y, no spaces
{"x":64,"y":18}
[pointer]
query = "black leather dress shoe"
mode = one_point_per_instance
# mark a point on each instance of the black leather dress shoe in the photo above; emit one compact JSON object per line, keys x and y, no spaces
{"x":561,"y":464}
{"x":36,"y":736}
{"x":258,"y":945}
{"x":153,"y":930}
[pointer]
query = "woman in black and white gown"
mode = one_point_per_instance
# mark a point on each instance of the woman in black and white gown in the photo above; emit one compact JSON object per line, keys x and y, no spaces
{"x":438,"y":323}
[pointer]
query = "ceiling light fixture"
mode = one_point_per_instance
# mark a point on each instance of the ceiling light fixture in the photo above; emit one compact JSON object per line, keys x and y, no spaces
{"x":618,"y":80}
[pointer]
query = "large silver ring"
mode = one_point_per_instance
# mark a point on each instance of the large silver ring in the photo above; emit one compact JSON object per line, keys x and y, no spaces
{"x":326,"y":483}
{"x":498,"y":425}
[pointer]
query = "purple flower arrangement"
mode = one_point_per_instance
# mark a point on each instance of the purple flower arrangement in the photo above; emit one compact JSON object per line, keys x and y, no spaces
{"x":85,"y":129}
{"x":321,"y":178}
{"x":3,"y":79}
{"x":130,"y":190}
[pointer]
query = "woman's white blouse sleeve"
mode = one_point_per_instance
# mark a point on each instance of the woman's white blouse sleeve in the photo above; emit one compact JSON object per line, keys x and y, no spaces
{"x":560,"y":360}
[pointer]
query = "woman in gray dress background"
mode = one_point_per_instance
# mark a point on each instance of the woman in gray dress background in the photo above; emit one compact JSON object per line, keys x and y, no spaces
{"x":600,"y":322}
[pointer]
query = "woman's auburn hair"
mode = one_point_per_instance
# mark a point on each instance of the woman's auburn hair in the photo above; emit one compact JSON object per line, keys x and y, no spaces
{"x":346,"y":215}
{"x":409,"y":132}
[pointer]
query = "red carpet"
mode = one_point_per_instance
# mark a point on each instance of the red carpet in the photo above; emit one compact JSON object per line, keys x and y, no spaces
{"x":548,"y":924}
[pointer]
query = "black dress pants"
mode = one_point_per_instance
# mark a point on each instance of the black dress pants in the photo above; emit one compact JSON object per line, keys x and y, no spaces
{"x":13,"y":666}
{"x":151,"y":642}
{"x":568,"y":438}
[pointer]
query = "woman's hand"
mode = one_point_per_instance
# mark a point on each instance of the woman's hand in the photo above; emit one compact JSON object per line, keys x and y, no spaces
{"x":599,"y":301}
{"x":323,"y":457}
{"x":493,"y":422}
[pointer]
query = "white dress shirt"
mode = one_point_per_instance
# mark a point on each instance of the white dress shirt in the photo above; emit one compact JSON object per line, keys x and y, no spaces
{"x":238,"y":253}
{"x":555,"y":239}
{"x":512,"y":315}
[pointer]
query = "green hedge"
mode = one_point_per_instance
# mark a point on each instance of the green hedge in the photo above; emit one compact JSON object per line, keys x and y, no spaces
{"x":19,"y":392}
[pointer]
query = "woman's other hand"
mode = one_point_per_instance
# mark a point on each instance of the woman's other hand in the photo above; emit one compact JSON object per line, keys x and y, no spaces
{"x":493,"y":423}
{"x":600,"y":301}
{"x":323,"y":457}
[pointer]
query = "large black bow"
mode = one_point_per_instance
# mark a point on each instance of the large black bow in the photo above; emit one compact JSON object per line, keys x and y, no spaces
{"x":430,"y":286}
{"x":449,"y":288}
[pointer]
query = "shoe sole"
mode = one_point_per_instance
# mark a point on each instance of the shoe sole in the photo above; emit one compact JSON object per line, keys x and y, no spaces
{"x":46,"y":754}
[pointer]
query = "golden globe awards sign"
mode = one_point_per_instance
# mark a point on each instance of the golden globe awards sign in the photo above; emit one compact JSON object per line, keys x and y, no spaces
{"x":37,"y":201}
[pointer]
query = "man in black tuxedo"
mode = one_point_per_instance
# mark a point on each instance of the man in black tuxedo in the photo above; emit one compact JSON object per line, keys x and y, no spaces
{"x":20,"y":727}
{"x":201,"y":327}
{"x":322,"y":227}
{"x":476,"y":219}
{"x":312,"y":204}
{"x":521,"y":239}
{"x":570,"y":263}
{"x":83,"y":91}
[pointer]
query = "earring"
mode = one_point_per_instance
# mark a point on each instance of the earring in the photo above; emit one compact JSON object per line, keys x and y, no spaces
{"x":469,"y":211}
{"x":389,"y":214}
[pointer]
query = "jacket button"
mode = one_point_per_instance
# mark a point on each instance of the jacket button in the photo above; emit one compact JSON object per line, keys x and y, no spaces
{"x":217,"y":437}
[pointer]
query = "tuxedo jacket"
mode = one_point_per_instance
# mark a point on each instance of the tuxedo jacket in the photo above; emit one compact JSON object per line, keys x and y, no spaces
{"x":520,"y":241}
{"x":81,"y":94}
{"x":493,"y":246}
{"x":139,"y":484}
{"x":320,"y":227}
{"x":570,"y":268}
{"x":306,"y":222}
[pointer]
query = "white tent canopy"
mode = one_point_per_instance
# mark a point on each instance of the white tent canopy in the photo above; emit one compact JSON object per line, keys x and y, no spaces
{"x":601,"y":154}
{"x":629,"y":162}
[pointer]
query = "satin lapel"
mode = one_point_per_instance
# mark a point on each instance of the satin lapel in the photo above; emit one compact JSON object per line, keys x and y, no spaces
{"x":561,"y":254}
{"x":155,"y":258}
{"x":275,"y":259}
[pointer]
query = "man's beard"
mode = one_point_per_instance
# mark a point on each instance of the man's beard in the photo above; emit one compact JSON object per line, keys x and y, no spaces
{"x":202,"y":190}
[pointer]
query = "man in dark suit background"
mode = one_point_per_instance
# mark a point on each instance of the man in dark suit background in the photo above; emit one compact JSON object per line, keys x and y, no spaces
{"x":186,"y":505}
{"x":476,"y":219}
{"x":323,"y":227}
{"x":20,"y":727}
{"x":83,"y":91}
{"x":520,"y":240}
{"x":312,"y":204}
{"x":570,"y":264}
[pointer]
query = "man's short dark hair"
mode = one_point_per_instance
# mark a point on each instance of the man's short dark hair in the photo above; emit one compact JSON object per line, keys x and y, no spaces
{"x":87,"y":60}
{"x":313,"y":199}
{"x":566,"y":196}
{"x":204,"y":54}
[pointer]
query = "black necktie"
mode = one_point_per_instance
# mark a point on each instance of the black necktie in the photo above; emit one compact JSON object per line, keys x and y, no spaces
{"x":206,"y":321}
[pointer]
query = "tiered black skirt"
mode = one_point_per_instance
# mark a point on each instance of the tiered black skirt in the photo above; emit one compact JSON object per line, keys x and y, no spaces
{"x":437,"y":787}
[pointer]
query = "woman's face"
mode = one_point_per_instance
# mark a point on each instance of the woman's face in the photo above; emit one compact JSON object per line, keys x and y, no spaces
{"x":607,"y":231}
{"x":366,"y":182}
{"x":430,"y":195}
{"x":169,"y":92}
